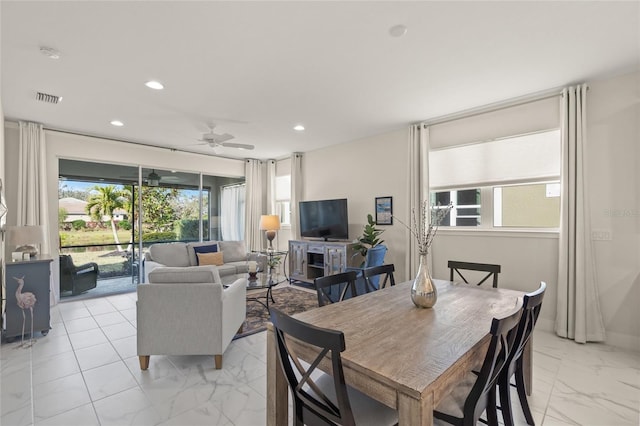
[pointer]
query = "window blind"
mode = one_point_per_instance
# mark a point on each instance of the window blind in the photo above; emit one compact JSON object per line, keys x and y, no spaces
{"x":523,"y":158}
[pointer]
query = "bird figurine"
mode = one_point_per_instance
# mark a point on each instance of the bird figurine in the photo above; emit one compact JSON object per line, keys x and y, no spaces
{"x":25,"y":300}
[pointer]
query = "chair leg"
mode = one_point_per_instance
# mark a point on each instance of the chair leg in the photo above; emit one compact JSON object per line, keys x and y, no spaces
{"x":522,"y":393}
{"x":492,"y":412}
{"x":218,"y":361}
{"x":144,"y":361}
{"x":505,"y":399}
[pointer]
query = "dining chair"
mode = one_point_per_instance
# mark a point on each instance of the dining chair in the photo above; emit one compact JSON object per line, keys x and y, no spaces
{"x":456,"y":266}
{"x":476,"y":392}
{"x":531,"y":305}
{"x":319,"y":398}
{"x":335,"y":288}
{"x":372,"y":277}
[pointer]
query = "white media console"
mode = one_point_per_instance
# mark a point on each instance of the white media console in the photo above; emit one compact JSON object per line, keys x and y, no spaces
{"x":312,"y":259}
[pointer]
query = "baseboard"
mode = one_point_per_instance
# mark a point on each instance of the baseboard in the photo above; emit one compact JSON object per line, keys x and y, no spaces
{"x":619,"y":340}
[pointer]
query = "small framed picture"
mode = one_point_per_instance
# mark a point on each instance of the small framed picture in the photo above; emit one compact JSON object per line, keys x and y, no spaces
{"x":384,"y":210}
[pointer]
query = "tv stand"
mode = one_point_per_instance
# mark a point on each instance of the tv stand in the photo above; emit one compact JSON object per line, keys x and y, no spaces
{"x":313,"y":259}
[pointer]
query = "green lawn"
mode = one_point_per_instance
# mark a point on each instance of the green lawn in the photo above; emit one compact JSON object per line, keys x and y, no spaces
{"x":102,"y":236}
{"x":110,"y":263}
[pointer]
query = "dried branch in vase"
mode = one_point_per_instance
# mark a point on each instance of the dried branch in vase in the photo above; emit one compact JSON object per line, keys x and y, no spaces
{"x":423,"y":229}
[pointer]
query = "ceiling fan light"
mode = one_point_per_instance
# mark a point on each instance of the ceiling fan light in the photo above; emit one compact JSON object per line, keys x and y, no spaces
{"x":153,"y":179}
{"x":298,"y":128}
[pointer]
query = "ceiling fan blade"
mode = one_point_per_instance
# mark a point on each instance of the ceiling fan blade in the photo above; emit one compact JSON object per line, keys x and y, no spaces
{"x":238,"y":145}
{"x":222,"y":138}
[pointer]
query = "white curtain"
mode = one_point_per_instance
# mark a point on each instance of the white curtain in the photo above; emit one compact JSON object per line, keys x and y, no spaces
{"x":271,"y":187}
{"x":32,"y":208}
{"x":232,"y":205}
{"x":578,"y":308}
{"x":418,"y":186}
{"x":296,"y":192}
{"x":253,"y":208}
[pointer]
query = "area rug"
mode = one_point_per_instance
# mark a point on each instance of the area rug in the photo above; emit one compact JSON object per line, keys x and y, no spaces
{"x":289,"y":300}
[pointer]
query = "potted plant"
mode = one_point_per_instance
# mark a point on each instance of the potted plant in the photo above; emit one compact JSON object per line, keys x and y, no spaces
{"x":273,"y":263}
{"x":369,"y":238}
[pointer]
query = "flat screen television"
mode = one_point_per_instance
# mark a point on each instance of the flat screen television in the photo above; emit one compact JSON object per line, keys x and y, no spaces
{"x":326,"y":219}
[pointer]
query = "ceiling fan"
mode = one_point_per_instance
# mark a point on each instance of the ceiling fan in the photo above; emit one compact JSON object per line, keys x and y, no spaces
{"x":216,"y":140}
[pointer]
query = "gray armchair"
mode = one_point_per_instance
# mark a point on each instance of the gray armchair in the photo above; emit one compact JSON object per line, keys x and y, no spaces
{"x":187,"y":311}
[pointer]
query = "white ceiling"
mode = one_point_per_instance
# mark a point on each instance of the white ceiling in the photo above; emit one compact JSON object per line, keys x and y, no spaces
{"x":259,"y":68}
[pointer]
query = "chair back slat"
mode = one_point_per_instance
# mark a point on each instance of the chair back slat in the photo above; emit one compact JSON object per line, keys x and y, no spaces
{"x":311,"y":405}
{"x":372,"y":277}
{"x":492,"y":271}
{"x":327,"y":286}
{"x":531,"y":305}
{"x":500,"y":347}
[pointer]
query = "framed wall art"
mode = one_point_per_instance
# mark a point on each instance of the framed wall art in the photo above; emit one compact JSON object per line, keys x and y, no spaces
{"x":384,"y":210}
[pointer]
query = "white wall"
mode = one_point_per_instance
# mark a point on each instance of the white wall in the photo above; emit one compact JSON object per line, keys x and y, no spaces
{"x":526,"y":259}
{"x":360,"y":171}
{"x":613,"y":115}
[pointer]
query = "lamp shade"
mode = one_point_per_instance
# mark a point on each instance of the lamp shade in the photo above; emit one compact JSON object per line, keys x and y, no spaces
{"x":269,"y":222}
{"x":24,"y":238}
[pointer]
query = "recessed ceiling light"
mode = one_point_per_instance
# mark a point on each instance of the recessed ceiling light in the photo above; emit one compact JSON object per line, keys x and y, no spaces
{"x":117,"y":123}
{"x":50,"y":52}
{"x":156,"y":85}
{"x":298,"y":127}
{"x":397,"y":30}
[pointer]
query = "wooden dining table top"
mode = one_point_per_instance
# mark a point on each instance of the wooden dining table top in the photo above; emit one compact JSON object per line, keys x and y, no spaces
{"x":409,"y":349}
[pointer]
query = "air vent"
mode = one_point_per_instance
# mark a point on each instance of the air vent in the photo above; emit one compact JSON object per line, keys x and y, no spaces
{"x":44,"y":97}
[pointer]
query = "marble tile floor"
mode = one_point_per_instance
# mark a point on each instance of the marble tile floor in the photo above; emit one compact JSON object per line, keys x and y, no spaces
{"x":86,"y":372}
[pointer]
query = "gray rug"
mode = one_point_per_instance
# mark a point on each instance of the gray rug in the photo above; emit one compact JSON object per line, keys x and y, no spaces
{"x":289,"y":299}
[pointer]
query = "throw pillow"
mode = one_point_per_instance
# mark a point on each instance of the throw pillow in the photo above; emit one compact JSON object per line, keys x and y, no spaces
{"x":211,"y":248}
{"x":215,"y":258}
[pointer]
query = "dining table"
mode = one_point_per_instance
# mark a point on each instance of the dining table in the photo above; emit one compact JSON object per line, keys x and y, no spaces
{"x":406,"y":357}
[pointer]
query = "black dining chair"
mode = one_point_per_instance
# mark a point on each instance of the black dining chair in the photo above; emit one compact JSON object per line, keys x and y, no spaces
{"x":531,"y":305}
{"x":335,"y":288}
{"x":319,"y":398}
{"x":476,"y":393}
{"x":373,"y":275}
{"x":492,"y":270}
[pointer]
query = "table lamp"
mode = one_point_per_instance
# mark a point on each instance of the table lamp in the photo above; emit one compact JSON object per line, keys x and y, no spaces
{"x":270,"y":223}
{"x":25,"y":238}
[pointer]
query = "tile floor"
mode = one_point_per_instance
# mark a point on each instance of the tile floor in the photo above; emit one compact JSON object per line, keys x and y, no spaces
{"x":86,"y":372}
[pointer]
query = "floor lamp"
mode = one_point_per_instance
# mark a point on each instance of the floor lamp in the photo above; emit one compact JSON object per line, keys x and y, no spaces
{"x":270,"y":223}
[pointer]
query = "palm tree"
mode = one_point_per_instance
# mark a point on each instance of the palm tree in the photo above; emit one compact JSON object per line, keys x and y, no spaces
{"x":104,"y":202}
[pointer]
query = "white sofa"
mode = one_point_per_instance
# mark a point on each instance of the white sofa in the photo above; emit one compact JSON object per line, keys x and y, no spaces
{"x":187,"y":311}
{"x":183,"y":255}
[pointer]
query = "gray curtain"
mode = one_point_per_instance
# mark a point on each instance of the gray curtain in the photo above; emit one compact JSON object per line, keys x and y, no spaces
{"x":296,"y":192}
{"x":418,"y":187}
{"x":32,"y":208}
{"x":253,"y":207}
{"x":271,"y":187}
{"x":578,"y":307}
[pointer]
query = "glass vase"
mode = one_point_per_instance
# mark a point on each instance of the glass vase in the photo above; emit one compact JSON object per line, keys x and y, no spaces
{"x":423,"y":290}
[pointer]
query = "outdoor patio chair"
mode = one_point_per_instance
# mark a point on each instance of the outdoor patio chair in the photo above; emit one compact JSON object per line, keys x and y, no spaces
{"x":77,"y":279}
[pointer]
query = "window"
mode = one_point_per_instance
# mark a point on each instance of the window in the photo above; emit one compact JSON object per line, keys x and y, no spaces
{"x":506,"y":183}
{"x":283,"y":199}
{"x":466,"y":206}
{"x":527,"y":206}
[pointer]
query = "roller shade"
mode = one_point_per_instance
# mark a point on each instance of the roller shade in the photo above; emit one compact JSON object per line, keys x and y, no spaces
{"x":529,"y":117}
{"x":523,"y":158}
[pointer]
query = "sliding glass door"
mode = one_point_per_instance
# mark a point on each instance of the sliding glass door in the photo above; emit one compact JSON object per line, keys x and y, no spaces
{"x":110,"y":215}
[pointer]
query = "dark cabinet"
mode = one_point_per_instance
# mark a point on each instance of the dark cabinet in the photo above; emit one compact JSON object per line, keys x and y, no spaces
{"x":27,"y":289}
